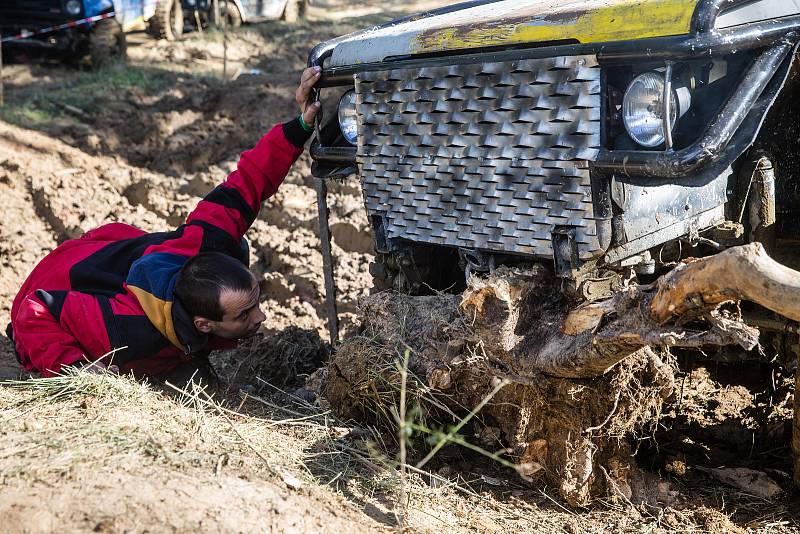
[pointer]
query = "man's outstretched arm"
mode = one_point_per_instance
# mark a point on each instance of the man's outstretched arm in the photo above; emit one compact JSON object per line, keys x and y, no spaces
{"x":234,"y":205}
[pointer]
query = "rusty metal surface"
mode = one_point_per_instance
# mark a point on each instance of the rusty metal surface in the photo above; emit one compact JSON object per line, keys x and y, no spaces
{"x":488,"y":156}
{"x":516,"y":22}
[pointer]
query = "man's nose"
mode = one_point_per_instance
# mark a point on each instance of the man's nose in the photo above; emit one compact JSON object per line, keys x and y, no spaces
{"x":260,"y":318}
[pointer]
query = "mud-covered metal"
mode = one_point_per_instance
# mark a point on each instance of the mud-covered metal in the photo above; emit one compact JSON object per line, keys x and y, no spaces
{"x":490,"y":156}
{"x":321,"y":189}
{"x":461,"y":170}
{"x":514,"y":22}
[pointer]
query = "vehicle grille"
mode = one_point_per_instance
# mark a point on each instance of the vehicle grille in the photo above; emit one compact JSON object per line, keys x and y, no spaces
{"x":488,"y":156}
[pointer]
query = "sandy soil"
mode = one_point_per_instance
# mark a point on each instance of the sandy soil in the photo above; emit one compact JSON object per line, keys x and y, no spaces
{"x":142,"y":146}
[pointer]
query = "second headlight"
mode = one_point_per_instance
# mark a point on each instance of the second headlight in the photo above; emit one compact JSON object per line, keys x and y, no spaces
{"x":348,"y":118}
{"x":643,"y":109}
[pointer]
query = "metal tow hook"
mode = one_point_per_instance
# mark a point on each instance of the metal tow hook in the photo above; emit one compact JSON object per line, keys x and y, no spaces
{"x":321,"y":188}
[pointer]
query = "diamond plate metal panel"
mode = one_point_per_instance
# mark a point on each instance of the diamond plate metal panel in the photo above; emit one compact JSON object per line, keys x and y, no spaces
{"x":486,"y":156}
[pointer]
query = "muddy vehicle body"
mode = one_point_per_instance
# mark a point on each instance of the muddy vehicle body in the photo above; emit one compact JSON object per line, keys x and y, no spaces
{"x":609,"y":138}
{"x":170,"y":19}
{"x":102,"y":40}
{"x":257,"y":11}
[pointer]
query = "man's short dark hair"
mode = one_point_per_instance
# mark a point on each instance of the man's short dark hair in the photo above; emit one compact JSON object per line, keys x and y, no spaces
{"x":203,"y":279}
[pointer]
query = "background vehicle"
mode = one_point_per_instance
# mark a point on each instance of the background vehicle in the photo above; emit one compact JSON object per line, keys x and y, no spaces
{"x":168,"y":19}
{"x":239,"y":11}
{"x":102,"y":41}
{"x":491,"y":133}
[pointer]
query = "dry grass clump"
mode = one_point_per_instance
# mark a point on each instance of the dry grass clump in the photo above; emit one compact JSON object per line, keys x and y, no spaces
{"x":114,"y":421}
{"x":423,"y":324}
{"x":370,"y":393}
{"x":123,"y":457}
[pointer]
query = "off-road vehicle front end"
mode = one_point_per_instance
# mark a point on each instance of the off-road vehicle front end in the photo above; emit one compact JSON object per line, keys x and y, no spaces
{"x":607,"y":137}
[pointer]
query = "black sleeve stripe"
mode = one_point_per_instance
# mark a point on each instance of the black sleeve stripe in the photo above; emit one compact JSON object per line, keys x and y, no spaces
{"x":231,"y":198}
{"x":114,"y":338}
{"x":54,"y":300}
{"x":105,"y":271}
{"x":295,"y":133}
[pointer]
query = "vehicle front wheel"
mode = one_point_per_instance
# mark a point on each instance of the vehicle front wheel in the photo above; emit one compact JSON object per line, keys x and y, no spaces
{"x":107,"y":45}
{"x":294,"y":10}
{"x":167,"y":22}
{"x":228,"y":15}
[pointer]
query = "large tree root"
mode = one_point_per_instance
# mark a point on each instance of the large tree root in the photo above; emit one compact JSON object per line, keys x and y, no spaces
{"x":576,"y":381}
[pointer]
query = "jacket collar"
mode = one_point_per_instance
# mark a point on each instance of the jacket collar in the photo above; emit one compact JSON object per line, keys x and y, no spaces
{"x":152,"y":280}
{"x":191,"y":339}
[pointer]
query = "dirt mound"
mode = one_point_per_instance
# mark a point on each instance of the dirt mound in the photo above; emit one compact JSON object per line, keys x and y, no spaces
{"x":572,"y":431}
{"x":285,"y":359}
{"x":185,"y":129}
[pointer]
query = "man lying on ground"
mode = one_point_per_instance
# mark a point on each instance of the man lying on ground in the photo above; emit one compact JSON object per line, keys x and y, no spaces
{"x":157,"y":304}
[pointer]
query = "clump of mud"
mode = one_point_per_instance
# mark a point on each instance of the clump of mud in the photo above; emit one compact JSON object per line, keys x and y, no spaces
{"x":284,"y":360}
{"x":574,"y":433}
{"x":364,"y":376}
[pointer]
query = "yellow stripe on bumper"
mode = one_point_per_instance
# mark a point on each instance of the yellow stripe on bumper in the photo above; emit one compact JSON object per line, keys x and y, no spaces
{"x":616,"y":20}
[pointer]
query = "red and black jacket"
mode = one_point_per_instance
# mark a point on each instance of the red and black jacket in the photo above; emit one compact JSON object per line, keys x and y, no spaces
{"x":111,"y":289}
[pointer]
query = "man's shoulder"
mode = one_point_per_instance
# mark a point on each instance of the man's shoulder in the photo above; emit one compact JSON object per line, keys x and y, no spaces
{"x":113,"y":232}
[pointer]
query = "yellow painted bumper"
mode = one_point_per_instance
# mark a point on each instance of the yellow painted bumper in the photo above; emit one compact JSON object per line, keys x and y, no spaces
{"x":590,"y":21}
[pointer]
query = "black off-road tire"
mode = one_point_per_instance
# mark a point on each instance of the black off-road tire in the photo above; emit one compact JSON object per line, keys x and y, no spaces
{"x":167,"y":21}
{"x":107,"y":45}
{"x":228,"y":14}
{"x":294,"y":10}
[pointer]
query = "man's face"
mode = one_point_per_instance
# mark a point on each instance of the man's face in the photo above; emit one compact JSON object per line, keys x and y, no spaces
{"x":241,"y":314}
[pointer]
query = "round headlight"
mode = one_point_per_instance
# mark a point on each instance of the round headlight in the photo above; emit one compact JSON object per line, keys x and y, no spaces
{"x":73,"y":7}
{"x":643,"y":109}
{"x":348,"y":119}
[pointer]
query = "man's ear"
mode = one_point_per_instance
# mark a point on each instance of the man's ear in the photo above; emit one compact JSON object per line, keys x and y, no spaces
{"x":203,"y":325}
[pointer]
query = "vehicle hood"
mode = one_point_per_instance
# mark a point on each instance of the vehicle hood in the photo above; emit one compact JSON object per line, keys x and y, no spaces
{"x":513,"y":22}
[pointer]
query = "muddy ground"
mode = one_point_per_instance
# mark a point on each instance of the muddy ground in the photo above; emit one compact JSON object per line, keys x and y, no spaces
{"x":141,"y":145}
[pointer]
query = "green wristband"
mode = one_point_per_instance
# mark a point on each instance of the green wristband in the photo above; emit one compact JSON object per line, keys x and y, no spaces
{"x":305,"y":126}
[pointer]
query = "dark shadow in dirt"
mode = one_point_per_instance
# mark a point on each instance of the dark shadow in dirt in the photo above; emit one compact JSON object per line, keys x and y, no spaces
{"x":741,"y":412}
{"x":10,"y":368}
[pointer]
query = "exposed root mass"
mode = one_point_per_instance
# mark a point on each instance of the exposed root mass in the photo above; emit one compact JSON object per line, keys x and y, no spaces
{"x":566,"y":389}
{"x":572,"y":431}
